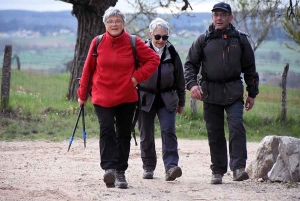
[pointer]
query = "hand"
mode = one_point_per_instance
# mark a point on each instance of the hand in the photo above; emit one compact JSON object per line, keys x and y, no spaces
{"x":81,"y":102}
{"x":196,"y":92}
{"x":134,"y":81}
{"x":180,"y":110}
{"x":249,"y":103}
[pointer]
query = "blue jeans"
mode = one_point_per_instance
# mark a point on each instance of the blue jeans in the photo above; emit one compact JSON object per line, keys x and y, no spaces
{"x":115,"y":135}
{"x":169,"y":140}
{"x":214,"y":117}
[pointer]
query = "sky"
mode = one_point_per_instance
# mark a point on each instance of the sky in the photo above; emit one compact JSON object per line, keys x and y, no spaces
{"x":55,"y":5}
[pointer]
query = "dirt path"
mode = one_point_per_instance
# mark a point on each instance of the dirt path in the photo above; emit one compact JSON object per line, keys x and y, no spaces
{"x":46,"y":171}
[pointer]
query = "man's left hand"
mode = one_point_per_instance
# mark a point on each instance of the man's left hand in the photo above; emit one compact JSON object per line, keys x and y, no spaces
{"x":249,"y":103}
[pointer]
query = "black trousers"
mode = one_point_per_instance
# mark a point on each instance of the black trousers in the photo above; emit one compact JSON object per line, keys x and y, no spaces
{"x":214,"y":117}
{"x":115,"y":135}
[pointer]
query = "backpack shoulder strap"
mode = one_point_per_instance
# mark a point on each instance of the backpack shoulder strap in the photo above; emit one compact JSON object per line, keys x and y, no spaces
{"x":133,"y":45}
{"x":205,"y":41}
{"x":96,"y":46}
{"x":138,"y":106}
{"x":241,"y":42}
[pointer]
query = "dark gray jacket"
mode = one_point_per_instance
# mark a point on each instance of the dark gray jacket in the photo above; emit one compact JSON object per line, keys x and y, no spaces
{"x":172,"y":83}
{"x":222,"y":60}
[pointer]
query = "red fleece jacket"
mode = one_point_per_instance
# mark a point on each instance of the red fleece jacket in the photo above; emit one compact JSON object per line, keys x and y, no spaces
{"x":111,"y":71}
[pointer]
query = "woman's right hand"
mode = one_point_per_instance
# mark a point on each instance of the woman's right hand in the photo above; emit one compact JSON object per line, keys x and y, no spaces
{"x":81,"y":102}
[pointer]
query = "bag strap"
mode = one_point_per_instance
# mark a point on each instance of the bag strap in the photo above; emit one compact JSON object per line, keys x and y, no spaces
{"x":138,"y":106}
{"x":133,"y":45}
{"x":96,"y":46}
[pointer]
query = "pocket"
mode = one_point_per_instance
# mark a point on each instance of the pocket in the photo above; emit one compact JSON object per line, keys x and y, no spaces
{"x":234,"y":90}
{"x":171,"y":100}
{"x":222,"y":93}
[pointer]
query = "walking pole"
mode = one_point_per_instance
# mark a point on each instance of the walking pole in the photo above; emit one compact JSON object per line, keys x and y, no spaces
{"x":74,"y":129}
{"x":83,"y":127}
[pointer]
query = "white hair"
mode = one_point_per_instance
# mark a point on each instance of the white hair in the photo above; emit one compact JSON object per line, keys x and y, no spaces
{"x":111,"y":11}
{"x":158,"y":22}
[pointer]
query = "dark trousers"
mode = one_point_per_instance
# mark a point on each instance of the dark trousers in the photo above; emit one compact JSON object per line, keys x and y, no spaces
{"x":115,"y":135}
{"x":169,"y":140}
{"x":214,"y":117}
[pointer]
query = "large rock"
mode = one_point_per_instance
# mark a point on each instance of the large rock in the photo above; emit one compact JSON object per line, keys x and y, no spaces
{"x":277,"y":159}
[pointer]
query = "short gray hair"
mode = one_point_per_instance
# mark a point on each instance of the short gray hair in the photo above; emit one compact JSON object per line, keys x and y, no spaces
{"x":158,"y":22}
{"x":111,"y":11}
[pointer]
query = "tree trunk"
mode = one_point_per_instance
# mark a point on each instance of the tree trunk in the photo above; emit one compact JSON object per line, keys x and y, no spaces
{"x":89,"y":16}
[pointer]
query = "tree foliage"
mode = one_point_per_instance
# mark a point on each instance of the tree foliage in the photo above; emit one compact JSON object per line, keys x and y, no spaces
{"x":291,"y":23}
{"x":256,"y":17}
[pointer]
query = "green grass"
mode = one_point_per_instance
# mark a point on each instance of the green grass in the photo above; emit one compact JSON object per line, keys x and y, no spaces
{"x":38,"y":109}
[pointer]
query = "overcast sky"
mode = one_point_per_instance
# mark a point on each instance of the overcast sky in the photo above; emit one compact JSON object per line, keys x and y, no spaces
{"x":54,"y":5}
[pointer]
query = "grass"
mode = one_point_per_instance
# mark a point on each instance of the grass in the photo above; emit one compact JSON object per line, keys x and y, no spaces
{"x":38,"y":109}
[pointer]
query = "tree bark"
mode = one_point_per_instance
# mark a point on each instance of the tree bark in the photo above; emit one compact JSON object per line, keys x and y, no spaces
{"x":89,"y":16}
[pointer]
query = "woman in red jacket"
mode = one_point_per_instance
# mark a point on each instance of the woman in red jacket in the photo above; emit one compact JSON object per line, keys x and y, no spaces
{"x":114,"y":94}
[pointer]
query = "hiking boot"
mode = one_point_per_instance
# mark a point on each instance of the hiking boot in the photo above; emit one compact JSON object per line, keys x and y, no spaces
{"x":173,"y":173}
{"x":109,"y":178}
{"x":240,"y":175}
{"x":148,"y":174}
{"x":120,"y":181}
{"x":216,"y":179}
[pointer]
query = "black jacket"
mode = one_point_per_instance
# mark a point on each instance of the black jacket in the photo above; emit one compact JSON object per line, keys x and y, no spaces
{"x":222,"y":60}
{"x":171,"y":82}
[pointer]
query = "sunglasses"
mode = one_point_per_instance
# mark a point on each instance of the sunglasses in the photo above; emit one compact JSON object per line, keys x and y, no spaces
{"x":164,"y":37}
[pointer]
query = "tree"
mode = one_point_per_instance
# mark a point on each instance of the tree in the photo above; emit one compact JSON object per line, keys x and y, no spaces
{"x":89,"y":16}
{"x":291,"y":23}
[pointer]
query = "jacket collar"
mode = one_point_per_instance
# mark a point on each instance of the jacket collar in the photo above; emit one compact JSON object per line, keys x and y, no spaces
{"x":116,"y":40}
{"x":214,"y":33}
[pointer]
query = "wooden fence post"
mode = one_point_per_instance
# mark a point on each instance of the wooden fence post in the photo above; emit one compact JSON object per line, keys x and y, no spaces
{"x":16,"y":57}
{"x":283,"y":86}
{"x":5,"y":85}
{"x":193,"y":105}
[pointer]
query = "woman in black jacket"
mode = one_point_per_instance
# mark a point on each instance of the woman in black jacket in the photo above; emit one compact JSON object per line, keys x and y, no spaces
{"x":163,"y":94}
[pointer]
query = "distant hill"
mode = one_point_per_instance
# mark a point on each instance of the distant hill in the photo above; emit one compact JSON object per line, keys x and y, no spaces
{"x":13,"y":20}
{"x":47,"y":22}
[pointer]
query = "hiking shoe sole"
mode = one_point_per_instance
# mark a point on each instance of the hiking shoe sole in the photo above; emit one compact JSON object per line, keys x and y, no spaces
{"x":173,"y":173}
{"x":122,"y":185}
{"x":109,"y":179}
{"x":242,"y":177}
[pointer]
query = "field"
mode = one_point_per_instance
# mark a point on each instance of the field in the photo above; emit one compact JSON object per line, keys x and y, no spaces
{"x":50,"y":54}
{"x":38,"y":97}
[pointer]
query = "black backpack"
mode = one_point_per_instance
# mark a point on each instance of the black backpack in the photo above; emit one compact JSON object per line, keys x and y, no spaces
{"x":237,"y":35}
{"x":137,"y":65}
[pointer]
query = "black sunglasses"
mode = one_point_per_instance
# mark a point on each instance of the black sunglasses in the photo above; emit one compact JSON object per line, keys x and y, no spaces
{"x":164,"y":37}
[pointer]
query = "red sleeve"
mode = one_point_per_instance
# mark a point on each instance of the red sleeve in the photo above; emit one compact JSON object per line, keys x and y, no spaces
{"x":87,"y":72}
{"x":148,"y":59}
